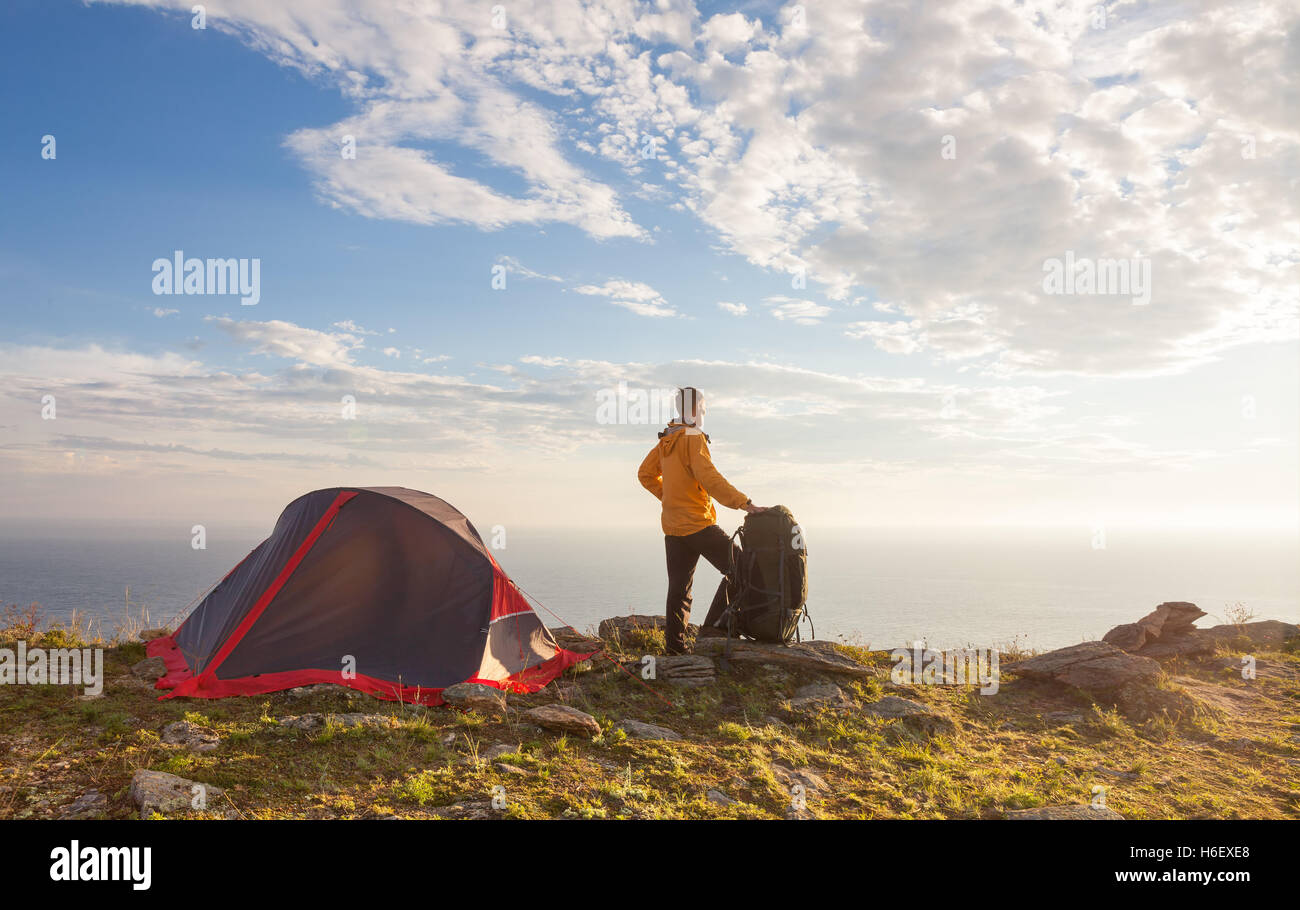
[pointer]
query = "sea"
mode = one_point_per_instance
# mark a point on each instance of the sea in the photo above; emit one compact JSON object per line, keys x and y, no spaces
{"x":875,"y":587}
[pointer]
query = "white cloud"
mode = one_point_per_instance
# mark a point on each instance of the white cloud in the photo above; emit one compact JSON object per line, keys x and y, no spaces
{"x":803,"y":312}
{"x":285,"y":339}
{"x":636,"y":296}
{"x":163,"y":313}
{"x":735,"y":309}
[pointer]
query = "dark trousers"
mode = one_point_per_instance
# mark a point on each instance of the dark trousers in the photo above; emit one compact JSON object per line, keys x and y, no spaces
{"x":683,"y":555}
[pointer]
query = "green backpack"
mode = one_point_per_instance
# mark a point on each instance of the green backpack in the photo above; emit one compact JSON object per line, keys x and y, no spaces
{"x":773,"y":578}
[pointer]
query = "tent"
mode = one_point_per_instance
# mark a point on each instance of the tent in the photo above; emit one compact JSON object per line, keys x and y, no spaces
{"x":382,"y":589}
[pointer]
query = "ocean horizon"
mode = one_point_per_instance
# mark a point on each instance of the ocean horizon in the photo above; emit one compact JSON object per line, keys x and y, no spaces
{"x":875,"y":587}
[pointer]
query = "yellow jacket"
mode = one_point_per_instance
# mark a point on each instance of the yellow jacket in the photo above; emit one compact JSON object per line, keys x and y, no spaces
{"x":680,"y":473}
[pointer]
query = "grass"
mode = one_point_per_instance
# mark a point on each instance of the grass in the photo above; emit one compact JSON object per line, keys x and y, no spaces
{"x":999,"y":752}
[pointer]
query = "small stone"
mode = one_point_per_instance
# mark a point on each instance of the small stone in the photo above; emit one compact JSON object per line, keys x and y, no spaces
{"x":810,"y":780}
{"x":717,"y":796}
{"x":492,"y":753}
{"x":1063,"y":717}
{"x":638,"y":730}
{"x":150,"y":668}
{"x":563,"y":719}
{"x":158,"y":791}
{"x":476,"y":697}
{"x":194,"y":738}
{"x":90,"y":804}
{"x":820,"y":695}
{"x":319,"y":721}
{"x":151,"y":634}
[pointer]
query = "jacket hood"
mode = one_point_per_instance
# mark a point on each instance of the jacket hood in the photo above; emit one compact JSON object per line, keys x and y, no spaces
{"x":676,"y":430}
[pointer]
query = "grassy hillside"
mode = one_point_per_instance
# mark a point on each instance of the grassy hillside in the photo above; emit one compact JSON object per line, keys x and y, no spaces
{"x":744,"y":749}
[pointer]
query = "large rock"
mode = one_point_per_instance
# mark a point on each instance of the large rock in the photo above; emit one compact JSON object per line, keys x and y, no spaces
{"x":1266,"y":635}
{"x":1069,"y":813}
{"x":151,"y":634}
{"x":1170,"y":620}
{"x":487,"y":700}
{"x":150,"y":668}
{"x":194,"y":738}
{"x":812,"y":656}
{"x":639,"y":730}
{"x":1092,"y":665}
{"x":158,"y":791}
{"x":563,"y":719}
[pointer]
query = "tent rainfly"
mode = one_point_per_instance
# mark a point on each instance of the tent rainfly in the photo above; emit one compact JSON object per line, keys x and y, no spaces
{"x":382,"y":589}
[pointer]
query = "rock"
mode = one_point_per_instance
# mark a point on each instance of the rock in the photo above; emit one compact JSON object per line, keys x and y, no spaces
{"x":687,"y":670}
{"x":1168,"y":632}
{"x":911,"y":713}
{"x":1167,"y":621}
{"x":151,"y":634}
{"x":319,"y":721}
{"x":158,"y":791}
{"x":1093,"y":665}
{"x":1111,"y":772}
{"x":1264,"y":668}
{"x":563,"y":719}
{"x":91,"y":804}
{"x":820,"y":695}
{"x":1238,"y":699}
{"x":194,"y":738}
{"x":1085,"y":813}
{"x":717,"y":796}
{"x":811,"y":656}
{"x":487,"y":700}
{"x":1063,"y":717}
{"x":150,"y":668}
{"x":572,"y":640}
{"x":492,"y":753}
{"x":801,"y":814}
{"x":811,"y":781}
{"x":638,"y":730}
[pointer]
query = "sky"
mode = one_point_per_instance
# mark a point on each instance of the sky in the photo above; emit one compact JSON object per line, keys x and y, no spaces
{"x":475,"y":222}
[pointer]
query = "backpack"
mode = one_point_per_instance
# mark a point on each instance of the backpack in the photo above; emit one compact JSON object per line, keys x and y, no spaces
{"x":773,"y":576}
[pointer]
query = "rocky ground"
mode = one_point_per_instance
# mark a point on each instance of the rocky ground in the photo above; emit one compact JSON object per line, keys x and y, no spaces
{"x":1157,"y":720}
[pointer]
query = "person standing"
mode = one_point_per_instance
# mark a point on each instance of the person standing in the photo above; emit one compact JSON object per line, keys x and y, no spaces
{"x":679,"y":472}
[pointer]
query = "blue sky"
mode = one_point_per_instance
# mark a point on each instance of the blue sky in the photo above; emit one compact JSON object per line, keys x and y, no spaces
{"x":922,"y":376}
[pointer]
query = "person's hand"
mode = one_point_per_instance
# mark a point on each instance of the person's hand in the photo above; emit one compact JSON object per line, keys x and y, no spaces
{"x":753,"y":509}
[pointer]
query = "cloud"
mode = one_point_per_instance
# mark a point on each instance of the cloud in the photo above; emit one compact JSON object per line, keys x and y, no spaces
{"x":162,"y":312}
{"x":802,"y":312}
{"x":735,"y":309}
{"x":285,"y":339}
{"x":932,"y":157}
{"x":636,"y":296}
